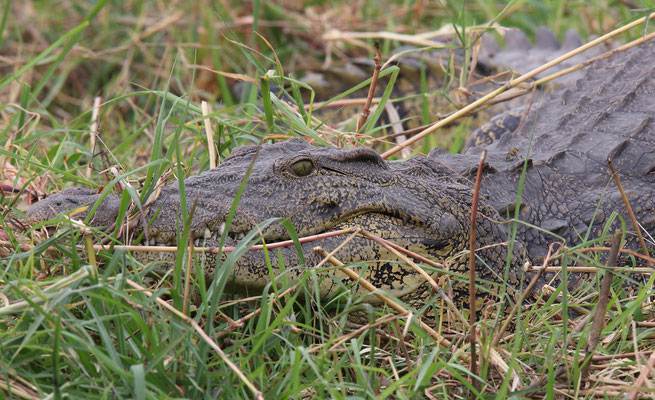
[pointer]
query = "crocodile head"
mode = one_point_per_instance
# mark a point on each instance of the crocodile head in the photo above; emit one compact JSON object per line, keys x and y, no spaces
{"x":317,"y":190}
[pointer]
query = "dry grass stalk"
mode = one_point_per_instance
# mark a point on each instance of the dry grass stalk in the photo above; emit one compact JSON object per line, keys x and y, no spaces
{"x":20,"y":387}
{"x":93,"y":131}
{"x":225,"y":249}
{"x":397,"y":127}
{"x":210,"y":134}
{"x":622,"y":355}
{"x":80,"y":274}
{"x":629,"y":208}
{"x":472,"y":316}
{"x":341,"y":103}
{"x":88,"y":241}
{"x":421,"y":39}
{"x":636,"y":270}
{"x":354,"y":37}
{"x":607,"y":54}
{"x":187,"y":277}
{"x":643,"y":376}
{"x":371,"y":90}
{"x":580,"y":270}
{"x":601,"y":307}
{"x":626,"y":251}
{"x":514,"y":83}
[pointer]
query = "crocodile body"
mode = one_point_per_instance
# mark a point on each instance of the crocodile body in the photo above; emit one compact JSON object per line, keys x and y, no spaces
{"x":424,"y":203}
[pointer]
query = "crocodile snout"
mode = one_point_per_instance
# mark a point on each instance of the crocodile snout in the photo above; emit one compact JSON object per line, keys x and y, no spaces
{"x":76,"y":202}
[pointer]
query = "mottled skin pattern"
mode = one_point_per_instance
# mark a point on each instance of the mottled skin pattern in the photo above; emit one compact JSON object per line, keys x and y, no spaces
{"x":568,"y":185}
{"x":423,"y":203}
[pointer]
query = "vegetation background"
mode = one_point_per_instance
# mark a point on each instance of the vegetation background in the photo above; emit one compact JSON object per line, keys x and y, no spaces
{"x":70,"y":330}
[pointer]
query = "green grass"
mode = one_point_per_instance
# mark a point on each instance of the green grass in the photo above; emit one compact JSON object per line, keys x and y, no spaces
{"x":72,"y":324}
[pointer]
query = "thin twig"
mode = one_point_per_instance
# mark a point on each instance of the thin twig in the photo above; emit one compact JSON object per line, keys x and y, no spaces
{"x":371,"y":90}
{"x":187,"y":277}
{"x":601,"y":307}
{"x":472,"y":316}
{"x":225,"y":249}
{"x":629,"y":208}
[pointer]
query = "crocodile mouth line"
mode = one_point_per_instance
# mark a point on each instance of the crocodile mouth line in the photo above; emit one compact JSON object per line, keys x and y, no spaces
{"x":210,"y":238}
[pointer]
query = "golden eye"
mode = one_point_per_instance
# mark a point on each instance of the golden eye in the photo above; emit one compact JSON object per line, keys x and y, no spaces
{"x":302,"y":167}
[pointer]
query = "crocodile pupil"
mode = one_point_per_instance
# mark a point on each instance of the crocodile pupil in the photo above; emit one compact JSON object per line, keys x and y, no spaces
{"x":302,"y":167}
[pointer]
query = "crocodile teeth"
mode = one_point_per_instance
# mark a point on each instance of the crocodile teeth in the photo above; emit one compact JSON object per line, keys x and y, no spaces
{"x":221,"y":229}
{"x":152,"y":242}
{"x":198,"y":242}
{"x":162,"y":244}
{"x":208,"y":233}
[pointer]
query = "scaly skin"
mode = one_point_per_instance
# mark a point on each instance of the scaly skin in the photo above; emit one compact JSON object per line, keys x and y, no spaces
{"x":424,"y":203}
{"x":345,"y":188}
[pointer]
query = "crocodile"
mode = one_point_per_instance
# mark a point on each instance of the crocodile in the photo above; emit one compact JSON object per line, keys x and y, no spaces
{"x":554,"y":155}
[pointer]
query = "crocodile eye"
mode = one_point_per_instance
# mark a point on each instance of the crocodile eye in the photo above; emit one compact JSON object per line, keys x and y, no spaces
{"x":302,"y":167}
